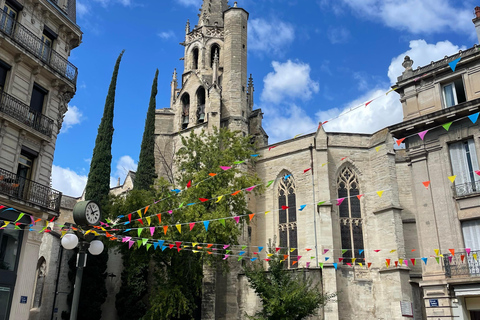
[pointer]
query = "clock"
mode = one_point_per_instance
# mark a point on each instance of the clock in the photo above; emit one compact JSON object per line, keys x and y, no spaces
{"x":87,"y":213}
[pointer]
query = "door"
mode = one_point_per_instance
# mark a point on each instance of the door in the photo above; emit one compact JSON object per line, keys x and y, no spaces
{"x":45,"y":47}
{"x":474,"y":315}
{"x":24,"y":173}
{"x":7,"y":20}
{"x":36,"y":105}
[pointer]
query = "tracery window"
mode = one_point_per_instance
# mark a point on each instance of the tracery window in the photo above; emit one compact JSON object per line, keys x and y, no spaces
{"x":350,"y":215}
{"x":287,"y":219}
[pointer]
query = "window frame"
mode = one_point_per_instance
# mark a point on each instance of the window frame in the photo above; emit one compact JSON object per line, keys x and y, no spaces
{"x":454,"y":91}
{"x":289,"y":223}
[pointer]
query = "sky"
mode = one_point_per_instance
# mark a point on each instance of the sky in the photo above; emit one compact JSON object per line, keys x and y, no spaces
{"x":311,"y":60}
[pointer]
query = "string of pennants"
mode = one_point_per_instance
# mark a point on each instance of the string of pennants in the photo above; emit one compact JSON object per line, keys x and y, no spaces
{"x":452,"y":64}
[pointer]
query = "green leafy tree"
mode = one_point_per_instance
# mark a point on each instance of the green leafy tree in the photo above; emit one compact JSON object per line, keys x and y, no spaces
{"x":94,"y":291}
{"x":98,"y":183}
{"x":145,"y":176}
{"x":285,"y":294}
{"x":175,"y":292}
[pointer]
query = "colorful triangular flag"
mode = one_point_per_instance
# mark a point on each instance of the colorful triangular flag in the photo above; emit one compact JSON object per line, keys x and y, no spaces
{"x":453,"y":64}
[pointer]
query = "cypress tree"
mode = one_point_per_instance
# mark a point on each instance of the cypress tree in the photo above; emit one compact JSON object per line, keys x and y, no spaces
{"x":98,"y":183}
{"x":145,"y":176}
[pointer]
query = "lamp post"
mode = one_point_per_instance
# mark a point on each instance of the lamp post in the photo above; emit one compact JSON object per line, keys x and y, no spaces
{"x":70,"y":241}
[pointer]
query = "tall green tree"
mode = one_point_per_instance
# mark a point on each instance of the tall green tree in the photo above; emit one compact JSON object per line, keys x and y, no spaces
{"x":98,"y":183}
{"x":94,"y":291}
{"x":145,"y":176}
{"x":176,"y":292}
{"x":285,"y":294}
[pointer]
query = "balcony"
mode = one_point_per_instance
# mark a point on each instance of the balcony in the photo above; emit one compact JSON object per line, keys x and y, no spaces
{"x":462,"y":264}
{"x":466,"y":189}
{"x":33,"y":44}
{"x":33,"y":193}
{"x":22,"y":112}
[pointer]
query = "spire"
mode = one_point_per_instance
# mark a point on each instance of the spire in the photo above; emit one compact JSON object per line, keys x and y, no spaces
{"x":215,"y":67}
{"x":187,"y":27}
{"x":211,"y":12}
{"x":250,"y":90}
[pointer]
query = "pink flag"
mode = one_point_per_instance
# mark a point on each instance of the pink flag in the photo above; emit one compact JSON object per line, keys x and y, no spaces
{"x":126,"y":239}
{"x":130,"y":244}
{"x":467,"y":250}
{"x":251,"y":188}
{"x":237,"y":219}
{"x":226,"y":246}
{"x":422,"y":134}
{"x":325,"y":251}
{"x":225,"y":168}
{"x":226,"y":256}
{"x":299,"y":257}
{"x":308,"y":264}
{"x":339,"y":201}
{"x":152,"y":230}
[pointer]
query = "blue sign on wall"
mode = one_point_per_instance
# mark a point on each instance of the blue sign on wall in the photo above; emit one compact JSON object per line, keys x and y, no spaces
{"x":433,"y":302}
{"x":23,"y":299}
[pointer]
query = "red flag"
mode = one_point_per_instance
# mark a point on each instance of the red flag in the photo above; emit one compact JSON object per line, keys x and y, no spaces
{"x":396,"y":263}
{"x":308,"y":250}
{"x":140,"y":220}
{"x":129,"y":217}
{"x":189,"y":184}
{"x":171,"y":245}
{"x":399,"y":141}
{"x":192,"y":224}
{"x":209,"y":252}
{"x":366,"y":104}
{"x":271,"y":148}
{"x":51,"y":220}
{"x":209,"y":245}
{"x":388,"y":262}
{"x":413,"y":261}
{"x":359,"y":196}
{"x":343,"y":158}
{"x":277,"y":249}
{"x":306,"y":170}
{"x":159,"y":216}
{"x":178,"y":243}
{"x":462,"y":257}
{"x":376,"y":250}
{"x":426,"y":184}
{"x":369,"y":264}
{"x":340,"y":259}
{"x":349,"y":264}
{"x":285,"y":207}
{"x":203,"y":199}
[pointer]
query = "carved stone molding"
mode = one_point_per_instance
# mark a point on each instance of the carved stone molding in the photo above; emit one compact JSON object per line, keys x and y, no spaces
{"x":18,"y":58}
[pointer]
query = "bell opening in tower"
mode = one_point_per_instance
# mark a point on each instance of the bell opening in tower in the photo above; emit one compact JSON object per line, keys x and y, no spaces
{"x":195,"y":59}
{"x":214,"y":50}
{"x":201,"y":105}
{"x":185,"y":110}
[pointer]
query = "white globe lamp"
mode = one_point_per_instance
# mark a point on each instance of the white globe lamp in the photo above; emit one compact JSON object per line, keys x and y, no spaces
{"x":96,"y":247}
{"x":69,"y":241}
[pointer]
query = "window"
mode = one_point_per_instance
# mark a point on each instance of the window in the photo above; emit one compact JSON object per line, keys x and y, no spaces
{"x":8,"y":18}
{"x":40,"y":282}
{"x":471,"y":237}
{"x":463,"y":157}
{"x":3,"y":74}
{"x":185,"y":110}
{"x":214,"y":50}
{"x":195,"y":59}
{"x":46,"y":46}
{"x":36,"y":105}
{"x":350,"y":215}
{"x":453,"y":93}
{"x":24,"y":170}
{"x":201,"y":105}
{"x":287,"y":219}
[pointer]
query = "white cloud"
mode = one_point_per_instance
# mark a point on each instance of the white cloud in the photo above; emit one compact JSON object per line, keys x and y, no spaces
{"x":68,"y":181}
{"x":82,"y":8}
{"x":338,"y":35}
{"x":124,"y":164}
{"x":425,"y":16}
{"x":72,"y":117}
{"x":269,"y":36}
{"x":106,"y":3}
{"x":166,"y":34}
{"x":288,"y":80}
{"x":196,"y":3}
{"x":422,"y":54}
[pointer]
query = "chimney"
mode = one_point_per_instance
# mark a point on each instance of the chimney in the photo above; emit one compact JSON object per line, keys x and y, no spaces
{"x":118,"y":182}
{"x":476,"y":21}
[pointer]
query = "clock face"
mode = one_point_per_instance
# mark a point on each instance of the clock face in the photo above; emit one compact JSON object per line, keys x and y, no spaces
{"x":92,"y":213}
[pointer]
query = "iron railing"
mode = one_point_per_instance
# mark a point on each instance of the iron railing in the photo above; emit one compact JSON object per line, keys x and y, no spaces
{"x":32,"y":192}
{"x":462,"y":264}
{"x":33,"y":44}
{"x":465,"y":189}
{"x":22,"y":112}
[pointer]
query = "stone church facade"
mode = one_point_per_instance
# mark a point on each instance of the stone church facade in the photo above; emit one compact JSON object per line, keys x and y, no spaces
{"x":353,"y":240}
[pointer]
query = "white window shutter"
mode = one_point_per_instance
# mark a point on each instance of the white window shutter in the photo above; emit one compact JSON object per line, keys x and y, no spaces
{"x":459,"y":163}
{"x":471,"y":234}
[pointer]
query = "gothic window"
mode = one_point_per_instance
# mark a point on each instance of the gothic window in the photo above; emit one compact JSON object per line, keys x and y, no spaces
{"x":195,"y":55}
{"x":40,"y":282}
{"x":201,"y":105}
{"x":350,"y":215}
{"x":287,"y":219}
{"x":214,"y":49}
{"x":185,"y":110}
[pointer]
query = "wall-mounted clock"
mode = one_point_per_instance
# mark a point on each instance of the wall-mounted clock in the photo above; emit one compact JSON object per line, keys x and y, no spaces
{"x":87,"y":213}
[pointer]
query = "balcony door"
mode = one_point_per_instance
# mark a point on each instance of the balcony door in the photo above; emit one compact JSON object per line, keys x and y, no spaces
{"x":8,"y":18}
{"x":24,"y":173}
{"x":36,"y":105}
{"x":3,"y":74}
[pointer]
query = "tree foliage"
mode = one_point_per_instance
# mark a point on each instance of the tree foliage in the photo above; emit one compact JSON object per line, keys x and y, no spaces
{"x":145,"y":176}
{"x":285,"y":294}
{"x":98,"y":183}
{"x":175,"y":291}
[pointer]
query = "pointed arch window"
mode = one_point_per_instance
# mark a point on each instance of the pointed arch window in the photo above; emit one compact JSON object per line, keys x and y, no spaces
{"x":287,"y":219}
{"x":185,"y":110}
{"x":351,"y":224}
{"x":214,"y":49}
{"x":201,"y":105}
{"x":195,"y":55}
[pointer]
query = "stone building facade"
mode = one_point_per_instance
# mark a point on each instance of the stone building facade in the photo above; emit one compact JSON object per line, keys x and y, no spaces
{"x":36,"y":83}
{"x":387,"y":215}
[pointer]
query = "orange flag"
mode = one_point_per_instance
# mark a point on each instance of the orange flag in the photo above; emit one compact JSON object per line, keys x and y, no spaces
{"x":452,"y":251}
{"x":387,"y":262}
{"x":285,"y":256}
{"x":251,"y":216}
{"x":426,"y":184}
{"x":212,"y":174}
{"x":159,"y":216}
{"x":236,"y":192}
{"x":165,"y":228}
{"x":399,"y":141}
{"x":294,"y":262}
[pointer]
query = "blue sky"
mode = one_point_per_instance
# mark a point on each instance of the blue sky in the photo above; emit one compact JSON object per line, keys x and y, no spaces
{"x":311,"y":60}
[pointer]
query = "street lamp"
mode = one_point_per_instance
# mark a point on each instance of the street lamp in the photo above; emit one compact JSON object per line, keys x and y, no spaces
{"x":70,"y":241}
{"x":86,"y":214}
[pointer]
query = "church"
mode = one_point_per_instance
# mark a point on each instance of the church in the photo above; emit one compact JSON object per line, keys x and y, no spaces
{"x":393,"y":221}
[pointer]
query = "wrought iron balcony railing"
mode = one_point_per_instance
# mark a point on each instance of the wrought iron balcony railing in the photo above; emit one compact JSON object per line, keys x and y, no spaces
{"x":22,"y":112}
{"x":463,"y":264}
{"x":27,"y":190}
{"x":467,"y":188}
{"x":33,"y":44}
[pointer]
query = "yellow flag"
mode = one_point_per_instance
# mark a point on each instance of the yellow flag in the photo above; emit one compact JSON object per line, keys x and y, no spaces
{"x":400,"y":261}
{"x":298,"y":135}
{"x":392,"y":251}
{"x":475,"y":256}
{"x":269,"y":254}
{"x":324,"y":164}
{"x":293,"y":249}
{"x":267,"y":212}
{"x":6,"y":224}
{"x":361,"y":265}
{"x":149,"y":220}
{"x":380,"y":193}
{"x":377,"y":148}
{"x":219,"y":199}
{"x":195,"y":251}
{"x":194,"y":244}
{"x":139,"y":213}
{"x":390,"y":91}
{"x":353,"y":260}
{"x":179,"y":227}
{"x":437,"y":251}
{"x":452,"y":178}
